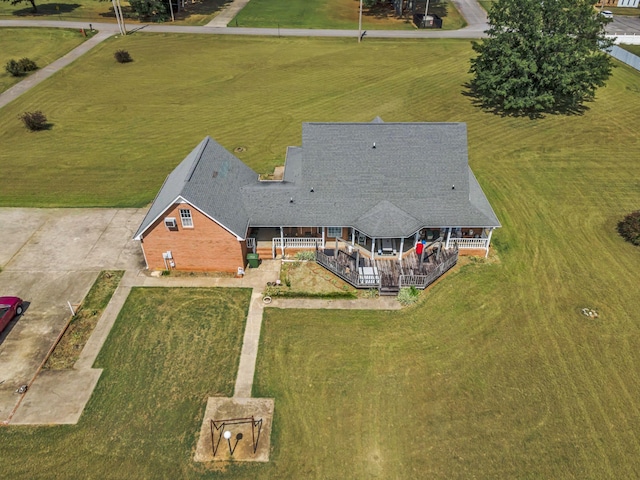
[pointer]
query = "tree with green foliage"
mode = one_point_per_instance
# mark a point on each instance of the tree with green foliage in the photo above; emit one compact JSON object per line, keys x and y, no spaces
{"x":16,"y":2}
{"x":156,"y":10}
{"x":540,"y":56}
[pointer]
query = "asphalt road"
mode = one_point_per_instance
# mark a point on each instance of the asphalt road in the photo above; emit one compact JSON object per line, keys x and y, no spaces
{"x":624,"y":25}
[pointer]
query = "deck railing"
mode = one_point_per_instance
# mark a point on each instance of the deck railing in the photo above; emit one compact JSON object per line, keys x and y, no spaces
{"x":373,"y":279}
{"x":470,"y":242}
{"x":423,"y":281}
{"x":358,"y":280}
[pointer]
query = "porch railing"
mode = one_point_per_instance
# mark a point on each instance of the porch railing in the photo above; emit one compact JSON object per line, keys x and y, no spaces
{"x":423,"y":281}
{"x":251,"y":244}
{"x":470,"y":242}
{"x":297,"y":242}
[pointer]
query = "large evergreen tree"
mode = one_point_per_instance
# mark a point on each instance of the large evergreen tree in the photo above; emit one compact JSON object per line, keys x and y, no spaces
{"x":540,"y":56}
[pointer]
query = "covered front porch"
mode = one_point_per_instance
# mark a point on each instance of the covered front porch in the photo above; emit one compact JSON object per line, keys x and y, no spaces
{"x":280,"y":241}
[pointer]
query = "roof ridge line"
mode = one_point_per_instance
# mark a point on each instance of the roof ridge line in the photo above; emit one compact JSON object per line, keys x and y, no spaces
{"x":203,"y":145}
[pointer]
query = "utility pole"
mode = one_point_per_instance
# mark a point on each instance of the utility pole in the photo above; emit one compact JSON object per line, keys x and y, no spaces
{"x":117,"y":9}
{"x":360,"y":23}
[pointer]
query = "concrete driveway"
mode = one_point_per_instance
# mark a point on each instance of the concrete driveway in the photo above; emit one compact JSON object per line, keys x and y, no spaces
{"x":50,"y":257}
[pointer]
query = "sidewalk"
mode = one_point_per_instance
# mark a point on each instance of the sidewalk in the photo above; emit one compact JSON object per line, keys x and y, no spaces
{"x":31,"y":81}
{"x":227,"y":14}
{"x":59,"y":397}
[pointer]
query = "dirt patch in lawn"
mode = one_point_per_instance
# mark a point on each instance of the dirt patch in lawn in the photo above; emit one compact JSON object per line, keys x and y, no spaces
{"x":301,"y":277}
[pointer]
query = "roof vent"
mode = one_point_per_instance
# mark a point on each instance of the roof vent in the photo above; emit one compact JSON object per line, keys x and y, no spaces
{"x":291,"y":200}
{"x":312,"y":190}
{"x":453,"y":187}
{"x":374,"y":144}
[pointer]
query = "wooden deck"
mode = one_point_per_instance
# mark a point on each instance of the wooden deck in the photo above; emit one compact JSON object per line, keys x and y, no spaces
{"x":387,"y":275}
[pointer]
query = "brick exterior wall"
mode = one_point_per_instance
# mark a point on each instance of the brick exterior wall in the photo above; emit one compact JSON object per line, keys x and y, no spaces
{"x":205,"y":247}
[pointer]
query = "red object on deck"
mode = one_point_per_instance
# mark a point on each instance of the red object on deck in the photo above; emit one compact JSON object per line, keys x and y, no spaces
{"x":419,"y":248}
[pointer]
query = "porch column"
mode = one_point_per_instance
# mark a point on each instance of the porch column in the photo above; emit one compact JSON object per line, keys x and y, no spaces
{"x":353,"y":236}
{"x":446,"y":245}
{"x":282,"y":241}
{"x":401,"y":249}
{"x":373,"y":247}
{"x":488,"y":242}
{"x":415,"y":241}
{"x":322,"y":237}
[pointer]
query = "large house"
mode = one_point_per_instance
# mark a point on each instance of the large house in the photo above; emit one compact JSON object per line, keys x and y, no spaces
{"x":375,"y":190}
{"x":618,"y":3}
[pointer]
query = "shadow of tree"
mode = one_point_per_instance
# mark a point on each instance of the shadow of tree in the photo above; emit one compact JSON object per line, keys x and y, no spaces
{"x":195,"y":7}
{"x":47,"y":9}
{"x":440,"y":9}
{"x":561,"y":108}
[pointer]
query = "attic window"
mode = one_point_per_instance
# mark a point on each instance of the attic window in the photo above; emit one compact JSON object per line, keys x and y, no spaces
{"x":185,"y":218}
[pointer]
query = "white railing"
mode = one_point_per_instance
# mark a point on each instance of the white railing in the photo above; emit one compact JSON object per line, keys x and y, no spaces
{"x":297,"y":242}
{"x":251,"y":244}
{"x":470,"y":242}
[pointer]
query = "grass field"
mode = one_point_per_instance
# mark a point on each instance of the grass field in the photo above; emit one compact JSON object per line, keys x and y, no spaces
{"x":495,"y":374}
{"x":42,"y":45}
{"x":89,"y":10}
{"x":195,"y":13}
{"x":340,"y":14}
{"x":169,"y":350}
{"x":635,"y":49}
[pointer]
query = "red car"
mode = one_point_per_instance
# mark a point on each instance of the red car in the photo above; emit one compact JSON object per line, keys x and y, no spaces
{"x":9,"y":307}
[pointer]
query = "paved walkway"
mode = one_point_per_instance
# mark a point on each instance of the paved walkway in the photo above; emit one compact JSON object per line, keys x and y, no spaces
{"x":228,"y":13}
{"x":59,"y":397}
{"x":45,"y":72}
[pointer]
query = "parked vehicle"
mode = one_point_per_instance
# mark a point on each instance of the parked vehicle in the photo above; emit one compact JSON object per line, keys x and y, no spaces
{"x":606,"y":14}
{"x":9,"y":307}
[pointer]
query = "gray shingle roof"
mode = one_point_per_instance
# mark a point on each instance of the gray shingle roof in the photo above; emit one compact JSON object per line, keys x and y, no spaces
{"x":209,"y":179}
{"x":384,"y":179}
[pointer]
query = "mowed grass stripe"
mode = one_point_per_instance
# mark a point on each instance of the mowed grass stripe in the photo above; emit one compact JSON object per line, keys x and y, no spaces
{"x":42,"y":45}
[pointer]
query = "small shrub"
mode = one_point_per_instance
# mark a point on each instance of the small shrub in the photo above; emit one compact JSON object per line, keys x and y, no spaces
{"x":13,"y":68}
{"x":306,"y":255}
{"x":122,"y":56}
{"x":34,"y":121}
{"x":409,"y":295}
{"x":372,"y":293}
{"x":20,"y":67}
{"x":27,"y":65}
{"x":629,"y":228}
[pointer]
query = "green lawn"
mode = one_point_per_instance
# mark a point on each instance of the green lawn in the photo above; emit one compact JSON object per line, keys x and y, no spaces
{"x":339,"y":14}
{"x":198,"y":12}
{"x":42,"y":45}
{"x":169,"y":350}
{"x":635,"y":49}
{"x":495,"y":374}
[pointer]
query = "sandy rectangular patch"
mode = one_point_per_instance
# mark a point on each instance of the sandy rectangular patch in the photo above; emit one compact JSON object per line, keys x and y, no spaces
{"x":249,"y":439}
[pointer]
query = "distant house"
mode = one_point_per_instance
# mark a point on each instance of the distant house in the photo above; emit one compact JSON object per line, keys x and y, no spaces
{"x":619,"y":3}
{"x":376,"y":189}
